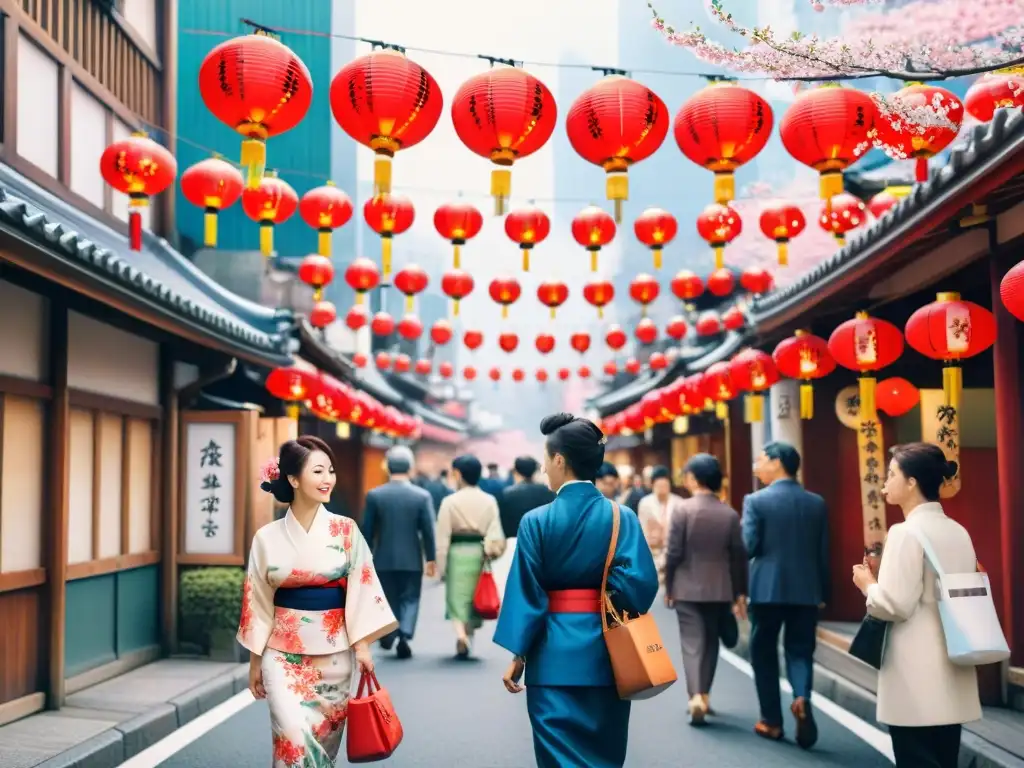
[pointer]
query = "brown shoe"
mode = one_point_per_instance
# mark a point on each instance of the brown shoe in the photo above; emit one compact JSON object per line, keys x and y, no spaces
{"x":770,"y":732}
{"x":806,"y":729}
{"x":698,"y":710}
{"x":707,"y":704}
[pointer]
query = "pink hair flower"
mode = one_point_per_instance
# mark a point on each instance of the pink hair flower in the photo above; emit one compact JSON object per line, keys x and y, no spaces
{"x":270,"y":471}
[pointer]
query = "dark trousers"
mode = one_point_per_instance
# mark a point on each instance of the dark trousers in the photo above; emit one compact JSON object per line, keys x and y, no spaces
{"x":402,"y":591}
{"x":798,"y":641}
{"x":930,"y":746}
{"x":699,"y":631}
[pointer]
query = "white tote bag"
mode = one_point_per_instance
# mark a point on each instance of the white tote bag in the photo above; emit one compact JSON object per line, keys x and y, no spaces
{"x":968,"y":614}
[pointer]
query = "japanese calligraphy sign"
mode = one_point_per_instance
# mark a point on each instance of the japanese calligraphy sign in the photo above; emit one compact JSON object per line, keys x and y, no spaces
{"x":209,"y":468}
{"x":940,"y":424}
{"x":848,"y":407}
{"x":872,"y":465}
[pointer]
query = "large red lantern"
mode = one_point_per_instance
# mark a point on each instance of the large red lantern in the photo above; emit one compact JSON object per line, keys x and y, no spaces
{"x":526,"y":227}
{"x":828,"y":129}
{"x":615,"y":337}
{"x":614,"y":124}
{"x":140,"y":168}
{"x":385,"y":102}
{"x":781,"y":222}
{"x":593,"y":229}
{"x":655,"y":228}
{"x":322,"y":314}
{"x":721,"y":282}
{"x":441,"y":332}
{"x":292,"y":385}
{"x":902,"y":138}
{"x":503,"y":114}
{"x":316,"y":271}
{"x":504,"y":291}
{"x":895,"y":396}
{"x":362,"y":276}
{"x":212,"y":184}
{"x":545,"y":342}
{"x":457,"y":223}
{"x":552,"y":294}
{"x":754,"y":372}
{"x":411,"y":281}
{"x":472,"y":340}
{"x":388,"y":215}
{"x":410,"y":328}
{"x":456,"y":285}
{"x":804,"y":357}
{"x":756,"y":280}
{"x":382,"y":324}
{"x":599,"y":293}
{"x":722,"y":127}
{"x":271,"y":203}
{"x":994,"y":91}
{"x":841,"y":214}
{"x":865,"y":345}
{"x":708,"y":323}
{"x":643,"y":290}
{"x":646,"y":331}
{"x":257,"y":86}
{"x":686,"y":286}
{"x":676,"y":328}
{"x":508,"y":342}
{"x":719,"y":225}
{"x":325,"y":209}
{"x":717,"y":385}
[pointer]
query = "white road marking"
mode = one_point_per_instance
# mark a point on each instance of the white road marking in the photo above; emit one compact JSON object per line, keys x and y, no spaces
{"x":866,"y":732}
{"x":190,"y":732}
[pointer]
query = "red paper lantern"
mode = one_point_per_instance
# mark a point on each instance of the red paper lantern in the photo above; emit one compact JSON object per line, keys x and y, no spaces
{"x":1011,"y":290}
{"x":388,"y":215}
{"x":782,"y":221}
{"x":686,"y":285}
{"x":410,"y":328}
{"x":545,"y":343}
{"x":503,"y":114}
{"x":357,"y":317}
{"x":527,"y":227}
{"x":504,"y":291}
{"x":322,"y":314}
{"x":676,"y":328}
{"x":423,"y":367}
{"x":722,"y":127}
{"x":293,"y":385}
{"x":721,"y":282}
{"x":655,"y":228}
{"x":518,"y":374}
{"x":257,"y":86}
{"x":494,"y":374}
{"x":469,"y":373}
{"x":610,"y":368}
{"x":643,"y":290}
{"x":756,"y":280}
{"x":599,"y":293}
{"x":411,"y":281}
{"x":717,"y":384}
{"x":383,"y":361}
{"x":316,"y":271}
{"x":583,"y":372}
{"x":271,"y":203}
{"x":828,"y":129}
{"x":657,"y":361}
{"x":615,"y":337}
{"x":140,"y":168}
{"x":580,"y":342}
{"x":691,"y":394}
{"x":635,"y":418}
{"x":805,"y":357}
{"x":866,"y":344}
{"x":593,"y":229}
{"x":719,"y":225}
{"x":753,"y":371}
{"x":325,"y":209}
{"x":359,"y":360}
{"x":733,"y":319}
{"x":212,"y":184}
{"x":382,"y":324}
{"x":632,"y":366}
{"x":403,"y":364}
{"x":564,"y":374}
{"x":472,"y":340}
{"x":508,"y":342}
{"x":708,"y":323}
{"x":646,"y":331}
{"x":456,"y":285}
{"x":880,"y":204}
{"x":902,"y":138}
{"x":387,"y":103}
{"x":895,"y":396}
{"x":441,"y":332}
{"x":991,"y":92}
{"x":542,"y":375}
{"x":841,"y":214}
{"x":458,"y":222}
{"x":552,"y":294}
{"x":362,"y":276}
{"x":445,"y":370}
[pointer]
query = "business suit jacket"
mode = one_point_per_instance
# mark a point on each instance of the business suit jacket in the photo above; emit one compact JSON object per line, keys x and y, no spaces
{"x":706,"y":561}
{"x":785,"y":530}
{"x":398,"y":523}
{"x":517,"y":500}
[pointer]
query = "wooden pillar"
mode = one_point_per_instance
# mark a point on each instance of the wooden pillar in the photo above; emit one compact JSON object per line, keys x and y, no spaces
{"x":169,"y":103}
{"x":1009,"y":454}
{"x":58,"y":465}
{"x":741,"y":460}
{"x":168,"y":503}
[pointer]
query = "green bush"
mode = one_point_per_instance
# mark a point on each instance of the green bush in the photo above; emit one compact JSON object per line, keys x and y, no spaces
{"x":210,"y":599}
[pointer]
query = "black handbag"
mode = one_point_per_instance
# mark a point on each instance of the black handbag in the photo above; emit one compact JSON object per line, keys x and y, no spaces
{"x":869,"y":642}
{"x":728,"y":628}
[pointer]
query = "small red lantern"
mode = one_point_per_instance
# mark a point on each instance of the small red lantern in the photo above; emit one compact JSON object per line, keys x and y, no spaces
{"x":564,"y":374}
{"x":721,"y":282}
{"x":895,"y":396}
{"x":271,"y":203}
{"x":676,"y":328}
{"x":805,"y":357}
{"x":686,"y":286}
{"x":545,"y":342}
{"x":388,"y":215}
{"x":518,"y":374}
{"x":754,"y":372}
{"x":866,"y":344}
{"x":322,"y":314}
{"x":411,"y":281}
{"x":383,"y":361}
{"x":733,"y":319}
{"x":646,"y":331}
{"x":655,"y":228}
{"x":325,"y":209}
{"x":359,"y":360}
{"x":632,"y":366}
{"x":387,"y":103}
{"x":717,"y":385}
{"x":403,"y":364}
{"x":583,"y":372}
{"x":469,"y":373}
{"x":316,"y":271}
{"x":615,"y":338}
{"x":708,"y":323}
{"x":362,"y":276}
{"x":644,"y":289}
{"x":140,"y":168}
{"x":505,"y":291}
{"x":441,"y":332}
{"x":382,"y":324}
{"x":212,"y":184}
{"x":423,"y":367}
{"x":880,"y":204}
{"x":456,"y":285}
{"x":756,"y":280}
{"x":542,"y":375}
{"x":610,"y":368}
{"x":781,"y":222}
{"x":902,"y":138}
{"x":552,"y":294}
{"x":599,"y":293}
{"x":657,"y":361}
{"x":357,"y":317}
{"x":527,"y":227}
{"x":495,"y":374}
{"x":472,"y":340}
{"x":410,"y":328}
{"x":445,"y":370}
{"x":719,"y":225}
{"x":508,"y":342}
{"x":593,"y":229}
{"x":991,"y":92}
{"x":841,"y":214}
{"x":457,"y":223}
{"x":580,"y":342}
{"x":634,"y":418}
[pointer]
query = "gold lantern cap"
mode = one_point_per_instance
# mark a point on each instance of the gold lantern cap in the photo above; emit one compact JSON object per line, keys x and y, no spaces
{"x":948,"y":296}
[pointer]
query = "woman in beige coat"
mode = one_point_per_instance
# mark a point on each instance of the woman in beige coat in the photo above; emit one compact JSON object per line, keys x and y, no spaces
{"x":922,"y":696}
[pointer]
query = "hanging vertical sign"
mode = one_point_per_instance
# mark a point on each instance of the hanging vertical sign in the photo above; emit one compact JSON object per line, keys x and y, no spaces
{"x":871,"y":465}
{"x":940,"y":424}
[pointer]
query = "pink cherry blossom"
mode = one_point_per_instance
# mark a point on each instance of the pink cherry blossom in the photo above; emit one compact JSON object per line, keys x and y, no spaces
{"x":270,"y":470}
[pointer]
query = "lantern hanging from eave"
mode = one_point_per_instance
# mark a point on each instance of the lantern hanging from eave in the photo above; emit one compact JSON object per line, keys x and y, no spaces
{"x":644,"y":289}
{"x":754,"y":372}
{"x":545,"y":343}
{"x":881,"y":203}
{"x":494,"y":374}
{"x":805,"y":357}
{"x":508,"y":342}
{"x":691,"y":394}
{"x":505,"y":291}
{"x":403,"y":363}
{"x":469,"y":373}
{"x":616,"y":123}
{"x":686,"y":286}
{"x":441,"y":332}
{"x":829,"y":128}
{"x":599,"y":293}
{"x":360,"y":360}
{"x":472,"y":340}
{"x":866,"y":344}
{"x":634,"y":418}
{"x":387,"y":103}
{"x":842,"y":214}
{"x":632,"y":366}
{"x":140,"y":168}
{"x":719,"y":225}
{"x":212,"y":184}
{"x":676,"y":328}
{"x":552,"y":294}
{"x":610,"y":368}
{"x":457,"y":223}
{"x":657,"y":361}
{"x":583,"y":372}
{"x":410,"y":328}
{"x":322,"y":314}
{"x":445,"y":370}
{"x":423,"y":367}
{"x":526,"y":227}
{"x":782,"y":221}
{"x":721,"y":282}
{"x":895,"y":396}
{"x":994,"y":91}
{"x":542,"y":375}
{"x":518,"y":374}
{"x":382,"y":324}
{"x":580,"y":342}
{"x":593,"y":229}
{"x":717,"y":385}
{"x":411,"y":281}
{"x":951,"y":330}
{"x":456,"y":285}
{"x":388,"y":215}
{"x":257,"y":86}
{"x":1011,"y":290}
{"x":271,"y":203}
{"x":733,"y":318}
{"x":708,"y":323}
{"x":615,"y":338}
{"x":357,"y":317}
{"x":292,"y":385}
{"x":646,"y":331}
{"x":316,"y":271}
{"x":362,"y":276}
{"x":901,"y":137}
{"x":503,"y":114}
{"x":325,"y":209}
{"x":655,"y":228}
{"x":756,"y":280}
{"x":564,"y":374}
{"x":722,"y":127}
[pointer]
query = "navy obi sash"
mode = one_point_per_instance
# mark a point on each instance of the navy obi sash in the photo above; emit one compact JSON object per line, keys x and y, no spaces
{"x":467,"y":538}
{"x":322,"y":597}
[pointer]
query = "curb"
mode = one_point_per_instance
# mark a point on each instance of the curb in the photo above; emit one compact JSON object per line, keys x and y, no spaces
{"x":112,"y":747}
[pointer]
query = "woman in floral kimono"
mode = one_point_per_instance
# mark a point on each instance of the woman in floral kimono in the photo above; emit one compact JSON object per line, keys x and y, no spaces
{"x":311,"y":607}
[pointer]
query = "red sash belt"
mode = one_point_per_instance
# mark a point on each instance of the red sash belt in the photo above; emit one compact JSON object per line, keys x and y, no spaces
{"x":574,"y":601}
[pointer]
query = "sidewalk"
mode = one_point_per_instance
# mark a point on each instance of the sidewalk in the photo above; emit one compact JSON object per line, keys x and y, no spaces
{"x":102,"y":726}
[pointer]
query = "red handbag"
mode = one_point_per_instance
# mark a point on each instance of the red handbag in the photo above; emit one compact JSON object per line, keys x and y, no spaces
{"x":486,"y":601}
{"x":374,"y":731}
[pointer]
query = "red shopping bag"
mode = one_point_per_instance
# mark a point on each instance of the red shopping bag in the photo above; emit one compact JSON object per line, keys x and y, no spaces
{"x":486,"y":602}
{"x":374,"y":731}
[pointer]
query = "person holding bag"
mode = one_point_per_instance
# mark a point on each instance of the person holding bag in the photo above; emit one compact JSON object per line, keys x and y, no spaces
{"x":571,"y":554}
{"x":923,"y":696}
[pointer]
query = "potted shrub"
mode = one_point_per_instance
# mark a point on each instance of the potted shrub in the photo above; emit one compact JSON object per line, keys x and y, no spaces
{"x":210,"y":603}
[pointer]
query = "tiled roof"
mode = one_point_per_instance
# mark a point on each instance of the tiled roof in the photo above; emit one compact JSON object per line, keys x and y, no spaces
{"x":157,"y":274}
{"x":730,"y":344}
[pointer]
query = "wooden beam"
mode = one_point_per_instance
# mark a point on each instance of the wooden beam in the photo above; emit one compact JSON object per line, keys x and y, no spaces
{"x":126,"y":484}
{"x":168,"y":79}
{"x":64,"y":88}
{"x":169,"y":501}
{"x":97,"y":481}
{"x":111,"y":564}
{"x":99,"y":402}
{"x":12,"y":580}
{"x":10,"y":95}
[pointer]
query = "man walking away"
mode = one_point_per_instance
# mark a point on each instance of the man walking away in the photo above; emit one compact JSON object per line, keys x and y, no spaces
{"x":516,"y":501}
{"x":492,"y":484}
{"x":398,"y":522}
{"x":436,"y":488}
{"x":785,"y":530}
{"x":607,"y":481}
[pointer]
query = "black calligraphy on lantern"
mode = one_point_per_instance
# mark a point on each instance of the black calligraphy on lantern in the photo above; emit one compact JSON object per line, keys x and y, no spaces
{"x":210,"y":458}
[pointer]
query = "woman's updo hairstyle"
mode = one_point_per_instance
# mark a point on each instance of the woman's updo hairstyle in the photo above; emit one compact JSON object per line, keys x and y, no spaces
{"x":579,"y":441}
{"x":927,"y":464}
{"x":291,"y":461}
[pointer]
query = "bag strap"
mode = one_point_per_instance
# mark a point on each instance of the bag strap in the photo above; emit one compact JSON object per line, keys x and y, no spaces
{"x":367,"y":682}
{"x":613,"y":543}
{"x":929,"y":551}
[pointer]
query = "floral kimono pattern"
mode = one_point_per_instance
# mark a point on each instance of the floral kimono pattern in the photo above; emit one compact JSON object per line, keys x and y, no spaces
{"x":307,"y":659}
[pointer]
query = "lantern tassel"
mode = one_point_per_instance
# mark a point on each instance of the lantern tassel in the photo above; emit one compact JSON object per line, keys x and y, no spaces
{"x":501,"y":188}
{"x":455,"y":307}
{"x":617,"y":189}
{"x":324,"y":242}
{"x":210,"y":228}
{"x":135,"y":230}
{"x":807,"y":401}
{"x":657,"y":257}
{"x":292,"y":409}
{"x":457,"y":256}
{"x":921,"y":169}
{"x":552,"y":313}
{"x":725,"y":187}
{"x":953,"y":386}
{"x":593,"y":261}
{"x":783,"y":252}
{"x":600,"y":313}
{"x":721,"y":410}
{"x":867,"y":399}
{"x":719,"y":256}
{"x":526,"y":259}
{"x":504,"y":311}
{"x":360,"y":297}
{"x":830,"y":184}
{"x":382,"y":175}
{"x":410,"y":304}
{"x":266,"y":237}
{"x":753,"y":408}
{"x":840,"y":239}
{"x":385,"y":257}
{"x":318,"y":293}
{"x":254,"y":160}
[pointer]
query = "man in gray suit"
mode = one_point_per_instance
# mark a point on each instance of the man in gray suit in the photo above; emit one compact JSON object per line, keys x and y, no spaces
{"x":398,"y":523}
{"x":785,"y":529}
{"x":705,"y":576}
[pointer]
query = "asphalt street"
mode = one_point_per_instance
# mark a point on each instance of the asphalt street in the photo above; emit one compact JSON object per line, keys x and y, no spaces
{"x":458,"y":713}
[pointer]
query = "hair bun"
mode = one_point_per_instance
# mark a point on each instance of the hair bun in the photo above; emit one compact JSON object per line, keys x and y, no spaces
{"x":555,"y":421}
{"x":267,"y":487}
{"x":950,"y":470}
